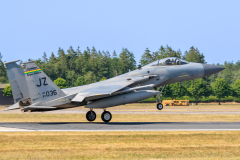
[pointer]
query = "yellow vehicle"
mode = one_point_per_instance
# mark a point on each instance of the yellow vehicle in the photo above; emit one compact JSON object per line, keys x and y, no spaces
{"x":175,"y":102}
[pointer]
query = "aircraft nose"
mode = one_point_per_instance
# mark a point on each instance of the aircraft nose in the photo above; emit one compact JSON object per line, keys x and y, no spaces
{"x":211,"y":69}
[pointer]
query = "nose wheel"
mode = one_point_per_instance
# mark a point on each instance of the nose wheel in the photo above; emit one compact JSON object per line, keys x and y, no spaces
{"x":159,"y":106}
{"x":159,"y":103}
{"x":91,"y":116}
{"x":106,"y":116}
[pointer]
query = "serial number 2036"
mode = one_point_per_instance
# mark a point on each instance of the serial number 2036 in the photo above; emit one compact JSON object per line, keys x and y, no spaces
{"x":49,"y":93}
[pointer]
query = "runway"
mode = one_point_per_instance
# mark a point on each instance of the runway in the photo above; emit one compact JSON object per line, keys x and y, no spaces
{"x":120,"y":126}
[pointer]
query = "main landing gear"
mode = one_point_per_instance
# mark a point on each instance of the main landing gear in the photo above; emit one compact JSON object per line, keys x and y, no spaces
{"x":106,"y":116}
{"x":91,"y":115}
{"x":159,"y":102}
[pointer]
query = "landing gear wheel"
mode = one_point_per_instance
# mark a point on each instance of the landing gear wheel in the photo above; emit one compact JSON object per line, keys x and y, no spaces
{"x":91,"y":116}
{"x":159,"y":106}
{"x":106,"y":116}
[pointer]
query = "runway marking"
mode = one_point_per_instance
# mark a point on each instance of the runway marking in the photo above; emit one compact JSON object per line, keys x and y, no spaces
{"x":3,"y":129}
{"x":6,"y":129}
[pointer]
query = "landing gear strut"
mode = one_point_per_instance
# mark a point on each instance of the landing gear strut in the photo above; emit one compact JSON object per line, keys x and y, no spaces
{"x":159,"y":102}
{"x":106,"y":116}
{"x":91,"y":115}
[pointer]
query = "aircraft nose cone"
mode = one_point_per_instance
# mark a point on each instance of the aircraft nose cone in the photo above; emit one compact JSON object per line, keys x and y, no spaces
{"x":211,"y":69}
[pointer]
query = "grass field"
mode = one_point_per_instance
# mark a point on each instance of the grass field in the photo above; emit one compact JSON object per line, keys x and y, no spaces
{"x":191,"y":145}
{"x":121,"y":145}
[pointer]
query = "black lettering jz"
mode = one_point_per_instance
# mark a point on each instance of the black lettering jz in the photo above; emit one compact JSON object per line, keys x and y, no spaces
{"x":40,"y":82}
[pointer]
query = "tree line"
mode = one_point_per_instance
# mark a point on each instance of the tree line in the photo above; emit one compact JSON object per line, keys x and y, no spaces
{"x":75,"y":68}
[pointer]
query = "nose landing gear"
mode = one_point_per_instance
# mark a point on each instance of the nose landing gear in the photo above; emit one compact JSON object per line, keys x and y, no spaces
{"x":159,"y":106}
{"x":159,"y":102}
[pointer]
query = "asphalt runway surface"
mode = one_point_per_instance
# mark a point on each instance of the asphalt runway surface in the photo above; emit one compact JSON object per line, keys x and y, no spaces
{"x":120,"y":126}
{"x":126,"y":126}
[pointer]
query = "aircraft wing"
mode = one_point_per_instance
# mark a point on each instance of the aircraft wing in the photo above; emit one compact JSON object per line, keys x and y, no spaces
{"x":107,"y":88}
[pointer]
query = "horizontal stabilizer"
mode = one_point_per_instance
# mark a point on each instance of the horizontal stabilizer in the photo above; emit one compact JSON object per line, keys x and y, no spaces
{"x":15,"y":106}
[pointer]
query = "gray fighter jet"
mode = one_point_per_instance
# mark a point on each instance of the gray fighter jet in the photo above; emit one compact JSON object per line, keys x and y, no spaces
{"x":33,"y":90}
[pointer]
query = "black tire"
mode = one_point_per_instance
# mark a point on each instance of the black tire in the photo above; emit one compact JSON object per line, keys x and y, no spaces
{"x":106,"y":116}
{"x":91,"y":116}
{"x":159,"y":106}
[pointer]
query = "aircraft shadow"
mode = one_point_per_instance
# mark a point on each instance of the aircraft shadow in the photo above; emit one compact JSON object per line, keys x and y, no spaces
{"x":115,"y":123}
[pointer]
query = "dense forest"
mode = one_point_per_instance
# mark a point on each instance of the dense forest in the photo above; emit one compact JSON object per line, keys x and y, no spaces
{"x":75,"y":67}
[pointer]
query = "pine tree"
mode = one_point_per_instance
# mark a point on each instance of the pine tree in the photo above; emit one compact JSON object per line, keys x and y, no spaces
{"x":167,"y":52}
{"x":62,"y":63}
{"x":132,"y":62}
{"x":114,"y":65}
{"x":45,"y":59}
{"x":52,"y":59}
{"x":146,"y":58}
{"x":193,"y":55}
{"x":114,"y":54}
{"x":123,"y":62}
{"x":72,"y":55}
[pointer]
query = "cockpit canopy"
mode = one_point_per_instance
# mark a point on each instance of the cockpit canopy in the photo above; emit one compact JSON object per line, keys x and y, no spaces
{"x":168,"y":61}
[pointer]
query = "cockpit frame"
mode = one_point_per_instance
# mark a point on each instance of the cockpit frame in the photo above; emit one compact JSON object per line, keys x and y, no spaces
{"x":168,"y":62}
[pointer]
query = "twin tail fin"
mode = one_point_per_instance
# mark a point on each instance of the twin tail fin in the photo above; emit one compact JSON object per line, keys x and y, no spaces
{"x":41,"y":87}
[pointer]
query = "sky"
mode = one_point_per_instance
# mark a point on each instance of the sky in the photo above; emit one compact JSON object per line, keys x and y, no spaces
{"x":29,"y":28}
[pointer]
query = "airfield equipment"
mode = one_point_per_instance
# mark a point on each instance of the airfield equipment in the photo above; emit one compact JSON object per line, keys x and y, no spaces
{"x":33,"y":90}
{"x":175,"y":102}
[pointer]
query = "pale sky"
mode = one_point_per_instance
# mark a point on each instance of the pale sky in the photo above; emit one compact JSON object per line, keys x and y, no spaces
{"x":29,"y":28}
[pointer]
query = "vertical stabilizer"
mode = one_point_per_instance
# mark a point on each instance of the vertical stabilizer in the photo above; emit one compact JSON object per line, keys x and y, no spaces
{"x":18,"y":83}
{"x":41,"y":87}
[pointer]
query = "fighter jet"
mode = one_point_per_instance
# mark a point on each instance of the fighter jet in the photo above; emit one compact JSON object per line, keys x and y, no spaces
{"x":33,"y":90}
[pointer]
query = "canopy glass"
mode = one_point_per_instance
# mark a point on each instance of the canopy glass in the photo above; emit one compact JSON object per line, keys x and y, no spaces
{"x":168,"y":61}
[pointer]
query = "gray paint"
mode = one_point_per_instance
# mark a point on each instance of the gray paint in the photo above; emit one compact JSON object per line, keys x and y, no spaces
{"x":134,"y":96}
{"x":110,"y":92}
{"x":17,"y":81}
{"x":210,"y":69}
